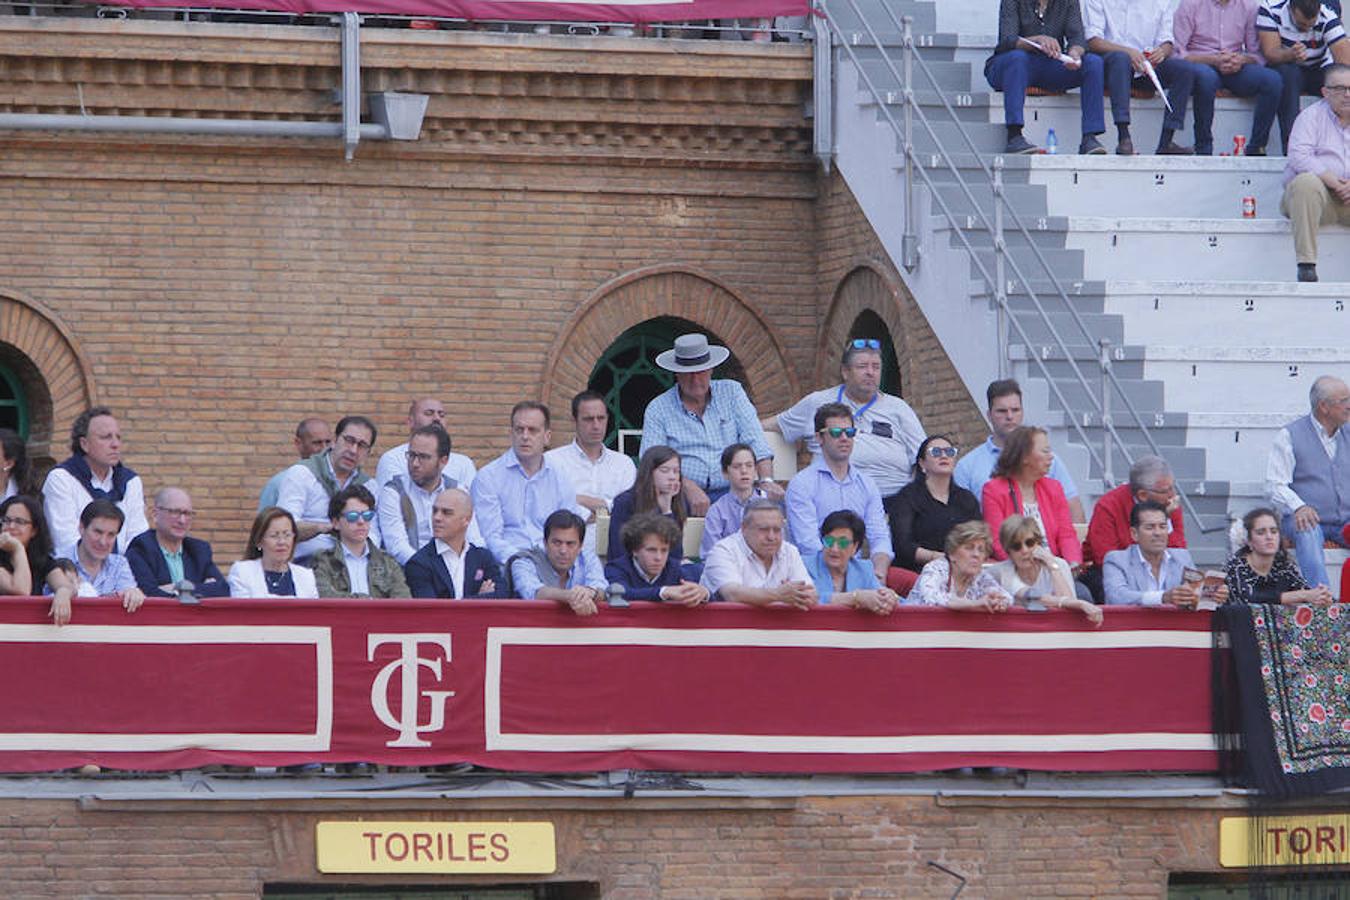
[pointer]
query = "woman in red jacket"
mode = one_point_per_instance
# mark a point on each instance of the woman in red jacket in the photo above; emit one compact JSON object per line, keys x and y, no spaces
{"x":1021,"y":486}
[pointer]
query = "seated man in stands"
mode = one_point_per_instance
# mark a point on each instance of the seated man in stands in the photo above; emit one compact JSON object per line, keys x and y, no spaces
{"x":1041,"y":44}
{"x":1148,"y":573}
{"x":99,"y":570}
{"x":405,"y":501}
{"x":356,"y":567}
{"x":1220,"y":37}
{"x":698,"y":417}
{"x":517,"y":491}
{"x":831,"y":483}
{"x":1005,"y":417}
{"x":756,"y":566}
{"x":93,"y":471}
{"x":449,"y":567}
{"x":1308,"y":475}
{"x":1317,"y":173}
{"x":647,"y":569}
{"x":426,"y":411}
{"x":164,"y":556}
{"x":598,"y":473}
{"x":1299,"y":39}
{"x":561,"y":570}
{"x":313,"y":435}
{"x":1150,"y":479}
{"x":889,"y":433}
{"x":310,"y":485}
{"x":1131,"y":36}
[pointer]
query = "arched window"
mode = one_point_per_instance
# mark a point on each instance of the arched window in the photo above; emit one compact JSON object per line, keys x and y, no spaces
{"x":628,"y":377}
{"x":870,"y":325}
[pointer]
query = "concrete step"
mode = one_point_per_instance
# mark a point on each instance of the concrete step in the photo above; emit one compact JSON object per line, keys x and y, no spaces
{"x":1272,"y":379}
{"x":1284,"y":314}
{"x":850,"y":16}
{"x":948,"y":76}
{"x":1027,"y":199}
{"x":1065,"y":263}
{"x":1242,"y":440}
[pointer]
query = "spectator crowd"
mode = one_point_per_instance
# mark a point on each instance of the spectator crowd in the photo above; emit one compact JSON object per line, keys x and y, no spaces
{"x":883,"y":514}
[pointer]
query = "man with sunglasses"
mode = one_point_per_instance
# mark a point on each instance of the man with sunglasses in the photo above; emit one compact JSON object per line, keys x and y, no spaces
{"x":356,"y":567}
{"x":1317,"y":173}
{"x":889,"y":433}
{"x":164,"y":556}
{"x":831,"y":483}
{"x":311,"y":484}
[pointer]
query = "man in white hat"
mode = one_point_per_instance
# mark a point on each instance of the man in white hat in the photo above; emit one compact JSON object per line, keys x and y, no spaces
{"x":699,"y":417}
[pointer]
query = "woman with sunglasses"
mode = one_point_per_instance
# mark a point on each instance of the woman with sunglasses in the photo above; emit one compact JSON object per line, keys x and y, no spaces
{"x":356,"y":567}
{"x":929,"y":507}
{"x":1261,"y":571}
{"x":26,"y":562}
{"x":658,"y":488}
{"x":266,"y":569}
{"x":840,"y":577}
{"x":1032,"y":574}
{"x":1021,"y":485}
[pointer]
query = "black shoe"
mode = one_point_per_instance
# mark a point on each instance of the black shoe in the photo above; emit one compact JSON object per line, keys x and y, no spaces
{"x":1124,"y":147}
{"x":1307,"y":271}
{"x":1172,"y":148}
{"x":1090,"y":146}
{"x":1018,"y":144}
{"x":1255,"y":151}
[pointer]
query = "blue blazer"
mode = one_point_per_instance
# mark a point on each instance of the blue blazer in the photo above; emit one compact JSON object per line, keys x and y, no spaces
{"x":429,"y":578}
{"x":150,"y":569}
{"x":1128,"y":581}
{"x":624,"y":571}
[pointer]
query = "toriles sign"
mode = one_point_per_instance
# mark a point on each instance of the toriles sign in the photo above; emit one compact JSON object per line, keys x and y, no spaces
{"x":529,"y":686}
{"x":457,"y":847}
{"x":1315,"y":840}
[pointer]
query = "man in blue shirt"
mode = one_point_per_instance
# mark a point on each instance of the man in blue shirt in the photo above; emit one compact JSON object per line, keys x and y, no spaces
{"x":102,"y":572}
{"x":517,"y":491}
{"x":699,"y":417}
{"x":561,"y":570}
{"x":832,"y":483}
{"x":1005,"y":417}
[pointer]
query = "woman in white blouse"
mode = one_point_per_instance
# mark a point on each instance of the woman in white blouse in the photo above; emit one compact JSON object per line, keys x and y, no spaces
{"x":1031,"y":573}
{"x":266,"y":569}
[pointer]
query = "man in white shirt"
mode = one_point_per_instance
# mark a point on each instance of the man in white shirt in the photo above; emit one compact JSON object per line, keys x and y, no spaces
{"x":1308,"y":476}
{"x":426,"y":411}
{"x":310,"y":484}
{"x":449,"y":566}
{"x":405,"y":501}
{"x":756,"y":566}
{"x":598,"y":473}
{"x":94,"y":471}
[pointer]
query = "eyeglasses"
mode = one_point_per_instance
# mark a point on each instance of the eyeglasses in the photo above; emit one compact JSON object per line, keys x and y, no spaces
{"x":1339,"y":89}
{"x":279,"y":535}
{"x":414,"y":456}
{"x":354,"y":442}
{"x":15,"y":520}
{"x":937,"y":452}
{"x":843,"y":543}
{"x":863,"y":344}
{"x":836,"y":431}
{"x":354,"y":516}
{"x":1028,"y":543}
{"x":177,"y":513}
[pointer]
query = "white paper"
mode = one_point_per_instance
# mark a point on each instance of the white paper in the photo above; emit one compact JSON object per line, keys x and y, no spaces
{"x":1063,"y":57}
{"x":1153,"y":77}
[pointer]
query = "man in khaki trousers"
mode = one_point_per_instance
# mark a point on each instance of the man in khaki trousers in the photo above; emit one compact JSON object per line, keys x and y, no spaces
{"x":1317,"y":174}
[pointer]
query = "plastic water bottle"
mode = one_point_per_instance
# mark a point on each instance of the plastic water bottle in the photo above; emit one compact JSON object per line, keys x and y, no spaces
{"x":1051,"y":142}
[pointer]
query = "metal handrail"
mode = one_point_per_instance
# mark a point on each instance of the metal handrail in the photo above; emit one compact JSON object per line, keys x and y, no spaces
{"x":997,"y":282}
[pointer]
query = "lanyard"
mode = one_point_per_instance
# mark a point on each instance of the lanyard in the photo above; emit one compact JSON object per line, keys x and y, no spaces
{"x":865,"y":407}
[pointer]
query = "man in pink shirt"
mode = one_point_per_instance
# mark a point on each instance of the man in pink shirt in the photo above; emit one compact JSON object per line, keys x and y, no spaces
{"x":1220,"y":35}
{"x":1317,"y":174}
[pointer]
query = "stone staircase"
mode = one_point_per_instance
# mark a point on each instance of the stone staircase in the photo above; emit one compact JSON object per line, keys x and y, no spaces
{"x":1213,"y":342}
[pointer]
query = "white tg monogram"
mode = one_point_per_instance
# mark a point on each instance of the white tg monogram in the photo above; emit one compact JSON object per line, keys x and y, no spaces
{"x":408,"y":665}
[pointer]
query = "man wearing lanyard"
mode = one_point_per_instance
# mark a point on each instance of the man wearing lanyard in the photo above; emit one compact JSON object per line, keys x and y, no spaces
{"x":889,"y":433}
{"x":699,"y":417}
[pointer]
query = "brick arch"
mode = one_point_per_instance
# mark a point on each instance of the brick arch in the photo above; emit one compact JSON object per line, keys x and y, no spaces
{"x":55,"y":373}
{"x":682,"y":292}
{"x":865,"y":288}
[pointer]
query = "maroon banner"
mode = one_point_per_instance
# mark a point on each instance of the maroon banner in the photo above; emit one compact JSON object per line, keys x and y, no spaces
{"x":518,"y":10}
{"x":529,"y":686}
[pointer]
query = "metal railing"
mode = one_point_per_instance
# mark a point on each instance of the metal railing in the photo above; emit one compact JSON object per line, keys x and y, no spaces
{"x":996,"y":282}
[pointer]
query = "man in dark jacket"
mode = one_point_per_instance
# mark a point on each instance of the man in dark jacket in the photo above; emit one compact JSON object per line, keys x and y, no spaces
{"x":163,"y":556}
{"x":448,"y":566}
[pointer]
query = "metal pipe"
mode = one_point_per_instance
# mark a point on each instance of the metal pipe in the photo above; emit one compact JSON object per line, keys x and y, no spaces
{"x":176,"y":125}
{"x":1104,"y":360}
{"x":1000,"y":270}
{"x":351,"y":83}
{"x":909,"y":243}
{"x":822,"y":121}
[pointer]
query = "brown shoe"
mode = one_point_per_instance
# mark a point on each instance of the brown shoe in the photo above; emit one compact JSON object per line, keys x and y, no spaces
{"x":1174,"y":149}
{"x":1125,"y":147}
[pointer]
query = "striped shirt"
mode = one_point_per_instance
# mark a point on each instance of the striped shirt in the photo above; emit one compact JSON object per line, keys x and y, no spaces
{"x":1327,"y":30}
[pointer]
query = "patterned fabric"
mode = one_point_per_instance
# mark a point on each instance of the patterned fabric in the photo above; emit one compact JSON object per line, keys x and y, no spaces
{"x":1246,"y":586}
{"x":1290,"y":667}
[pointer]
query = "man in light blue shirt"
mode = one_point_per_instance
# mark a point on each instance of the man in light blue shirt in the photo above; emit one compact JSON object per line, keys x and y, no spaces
{"x":101,"y":571}
{"x":699,"y":417}
{"x":561,"y":570}
{"x":1005,"y":417}
{"x":517,"y":491}
{"x":831,"y":483}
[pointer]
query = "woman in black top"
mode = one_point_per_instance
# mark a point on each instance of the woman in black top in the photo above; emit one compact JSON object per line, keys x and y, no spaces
{"x":1262,"y":572}
{"x":927,"y":508}
{"x":1041,"y":44}
{"x":26,"y":562}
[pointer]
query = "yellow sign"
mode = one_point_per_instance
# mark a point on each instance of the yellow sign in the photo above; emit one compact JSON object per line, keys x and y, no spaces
{"x":1284,"y":841}
{"x":458,"y":847}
